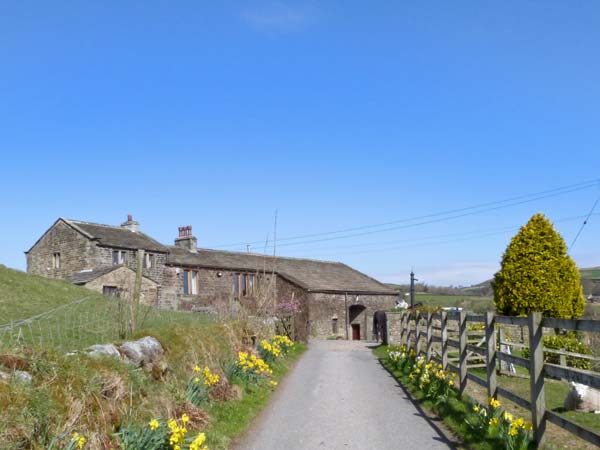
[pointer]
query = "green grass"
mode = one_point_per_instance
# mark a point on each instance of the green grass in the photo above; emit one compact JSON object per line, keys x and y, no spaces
{"x":72,"y":317}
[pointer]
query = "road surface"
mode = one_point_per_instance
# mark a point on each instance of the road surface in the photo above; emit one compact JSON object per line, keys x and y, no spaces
{"x":338,"y":397}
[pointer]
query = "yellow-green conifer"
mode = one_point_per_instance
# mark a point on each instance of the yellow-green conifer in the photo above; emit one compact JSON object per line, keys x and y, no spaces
{"x":537,"y":274}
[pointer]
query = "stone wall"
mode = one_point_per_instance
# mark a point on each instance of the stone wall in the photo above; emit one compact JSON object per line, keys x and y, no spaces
{"x":104,"y":258}
{"x":124,"y":279}
{"x":328,"y":312}
{"x":76,"y":253}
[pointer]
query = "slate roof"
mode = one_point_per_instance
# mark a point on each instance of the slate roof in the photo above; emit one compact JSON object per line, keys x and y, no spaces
{"x":85,"y":276}
{"x":111,"y":236}
{"x":310,"y":274}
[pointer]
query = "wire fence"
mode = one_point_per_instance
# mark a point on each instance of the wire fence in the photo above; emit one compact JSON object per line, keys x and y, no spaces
{"x":87,"y":321}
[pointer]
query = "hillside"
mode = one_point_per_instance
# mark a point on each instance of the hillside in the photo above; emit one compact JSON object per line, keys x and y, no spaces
{"x":590,"y":272}
{"x":68,"y":317}
{"x":23,"y":295}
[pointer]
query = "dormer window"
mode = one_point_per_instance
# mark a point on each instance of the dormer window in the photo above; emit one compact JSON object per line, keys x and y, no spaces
{"x":119,"y":257}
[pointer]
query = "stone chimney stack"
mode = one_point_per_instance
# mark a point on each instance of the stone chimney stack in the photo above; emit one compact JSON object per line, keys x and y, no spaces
{"x":186,"y":240}
{"x":131,"y":224}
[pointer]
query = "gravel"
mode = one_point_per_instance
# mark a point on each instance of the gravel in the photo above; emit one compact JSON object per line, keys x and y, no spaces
{"x":338,"y":397}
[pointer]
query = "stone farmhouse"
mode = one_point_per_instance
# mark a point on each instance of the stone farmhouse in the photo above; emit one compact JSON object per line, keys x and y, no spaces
{"x":331,"y":297}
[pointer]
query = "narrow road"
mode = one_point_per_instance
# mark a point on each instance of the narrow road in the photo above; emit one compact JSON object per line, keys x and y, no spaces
{"x":339,"y":397}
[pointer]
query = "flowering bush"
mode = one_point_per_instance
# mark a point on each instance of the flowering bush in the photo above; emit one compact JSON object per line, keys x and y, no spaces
{"x":200,"y":385}
{"x":160,"y":436}
{"x":515,"y":434}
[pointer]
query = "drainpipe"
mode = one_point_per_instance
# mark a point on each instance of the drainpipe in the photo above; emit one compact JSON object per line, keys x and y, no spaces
{"x":346,"y":310}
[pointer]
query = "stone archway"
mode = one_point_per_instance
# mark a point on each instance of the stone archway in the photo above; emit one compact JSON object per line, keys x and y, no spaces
{"x":357,"y":321}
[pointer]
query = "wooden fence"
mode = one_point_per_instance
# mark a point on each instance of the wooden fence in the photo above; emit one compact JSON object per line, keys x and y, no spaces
{"x":418,"y":331}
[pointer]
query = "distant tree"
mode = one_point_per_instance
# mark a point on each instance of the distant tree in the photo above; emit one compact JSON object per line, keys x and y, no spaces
{"x":537,"y":274}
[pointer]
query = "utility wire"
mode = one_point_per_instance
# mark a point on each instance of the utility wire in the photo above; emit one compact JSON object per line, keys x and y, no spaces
{"x":584,"y":223}
{"x":511,"y":202}
{"x":425,"y":222}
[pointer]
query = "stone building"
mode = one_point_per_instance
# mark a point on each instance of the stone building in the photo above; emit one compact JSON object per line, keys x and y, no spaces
{"x":329,"y":298}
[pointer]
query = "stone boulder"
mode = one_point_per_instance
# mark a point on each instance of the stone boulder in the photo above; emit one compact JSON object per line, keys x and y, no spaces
{"x":583,"y":398}
{"x":18,"y":376}
{"x":103,"y":350}
{"x":142,"y":353}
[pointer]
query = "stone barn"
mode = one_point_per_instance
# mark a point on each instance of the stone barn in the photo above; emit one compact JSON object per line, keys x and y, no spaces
{"x":330,"y":298}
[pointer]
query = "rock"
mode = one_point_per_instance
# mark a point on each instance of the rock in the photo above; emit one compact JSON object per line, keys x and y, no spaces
{"x":582,"y":397}
{"x":143,"y":352}
{"x":103,"y":350}
{"x":19,"y":376}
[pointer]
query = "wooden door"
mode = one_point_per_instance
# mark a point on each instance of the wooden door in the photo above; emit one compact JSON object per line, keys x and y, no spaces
{"x":356,"y":332}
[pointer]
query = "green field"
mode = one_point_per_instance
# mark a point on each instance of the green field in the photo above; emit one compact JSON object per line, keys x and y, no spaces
{"x":592,"y":272}
{"x":467,"y":302}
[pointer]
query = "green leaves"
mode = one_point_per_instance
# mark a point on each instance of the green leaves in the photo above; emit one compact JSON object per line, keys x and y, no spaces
{"x":537,"y":274}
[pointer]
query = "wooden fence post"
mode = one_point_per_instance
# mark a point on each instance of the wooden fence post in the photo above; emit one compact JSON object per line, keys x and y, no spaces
{"x":444,"y":340}
{"x":408,"y":332}
{"x":490,"y":354}
{"x":536,"y":377}
{"x":417,"y":333}
{"x":429,"y":335}
{"x":462,"y":329}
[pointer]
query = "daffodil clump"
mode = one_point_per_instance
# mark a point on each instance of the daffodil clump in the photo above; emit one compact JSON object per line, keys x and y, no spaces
{"x":269,"y":351}
{"x":284,"y":343}
{"x":401,"y":358}
{"x":432,"y":380}
{"x":158,"y":435}
{"x":515,"y":433}
{"x":200,"y":385}
{"x":249,"y":369}
{"x":76,"y":442}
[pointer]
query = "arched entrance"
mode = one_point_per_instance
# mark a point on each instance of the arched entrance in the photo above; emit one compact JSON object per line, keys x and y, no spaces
{"x":357,"y":321}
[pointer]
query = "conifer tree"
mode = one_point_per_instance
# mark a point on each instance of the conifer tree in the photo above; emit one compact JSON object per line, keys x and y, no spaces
{"x":537,"y":274}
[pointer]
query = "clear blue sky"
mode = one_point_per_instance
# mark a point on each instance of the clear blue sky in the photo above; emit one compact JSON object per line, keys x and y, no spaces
{"x":338,"y":114}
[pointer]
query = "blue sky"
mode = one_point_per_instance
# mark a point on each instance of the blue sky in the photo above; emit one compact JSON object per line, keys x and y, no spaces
{"x":215,"y":114}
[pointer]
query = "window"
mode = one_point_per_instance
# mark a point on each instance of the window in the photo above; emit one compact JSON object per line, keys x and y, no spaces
{"x":119,"y":257}
{"x":111,"y":291}
{"x":148,"y":260}
{"x":56,"y":260}
{"x":190,"y":282}
{"x":243,"y":285}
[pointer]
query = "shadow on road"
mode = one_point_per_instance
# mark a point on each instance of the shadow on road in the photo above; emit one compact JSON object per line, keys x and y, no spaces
{"x":442,"y":434}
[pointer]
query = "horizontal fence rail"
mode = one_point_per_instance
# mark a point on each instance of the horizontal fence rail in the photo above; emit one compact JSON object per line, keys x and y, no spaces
{"x":449,"y":330}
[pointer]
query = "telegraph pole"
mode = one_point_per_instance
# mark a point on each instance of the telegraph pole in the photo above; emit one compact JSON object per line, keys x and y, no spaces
{"x":412,"y":289}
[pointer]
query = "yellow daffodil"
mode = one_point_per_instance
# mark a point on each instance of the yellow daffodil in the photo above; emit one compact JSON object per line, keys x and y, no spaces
{"x":153,"y":424}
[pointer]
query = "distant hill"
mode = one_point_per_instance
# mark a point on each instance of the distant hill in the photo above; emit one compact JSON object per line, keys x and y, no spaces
{"x":485,"y":287}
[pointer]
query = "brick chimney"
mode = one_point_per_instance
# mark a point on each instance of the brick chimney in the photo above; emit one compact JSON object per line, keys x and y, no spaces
{"x":131,"y":224}
{"x":186,"y":240}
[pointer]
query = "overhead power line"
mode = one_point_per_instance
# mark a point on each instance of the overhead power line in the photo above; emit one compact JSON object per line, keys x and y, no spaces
{"x":584,"y":222}
{"x":440,"y":216}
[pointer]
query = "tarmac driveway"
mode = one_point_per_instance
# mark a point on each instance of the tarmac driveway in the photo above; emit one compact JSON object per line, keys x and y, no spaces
{"x":338,"y":397}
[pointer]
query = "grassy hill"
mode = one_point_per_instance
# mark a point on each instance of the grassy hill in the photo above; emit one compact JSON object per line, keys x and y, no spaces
{"x":53,"y":313}
{"x":590,"y":272}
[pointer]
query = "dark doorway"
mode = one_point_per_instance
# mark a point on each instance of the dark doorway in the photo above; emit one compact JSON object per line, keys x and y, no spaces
{"x":356,"y":332}
{"x":111,"y":291}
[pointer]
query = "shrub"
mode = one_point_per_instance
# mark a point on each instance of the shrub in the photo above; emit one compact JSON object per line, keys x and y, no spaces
{"x":537,"y":274}
{"x":569,"y":343}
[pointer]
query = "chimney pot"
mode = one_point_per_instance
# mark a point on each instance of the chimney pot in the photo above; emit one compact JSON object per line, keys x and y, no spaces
{"x":129,"y":217}
{"x":186,"y":240}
